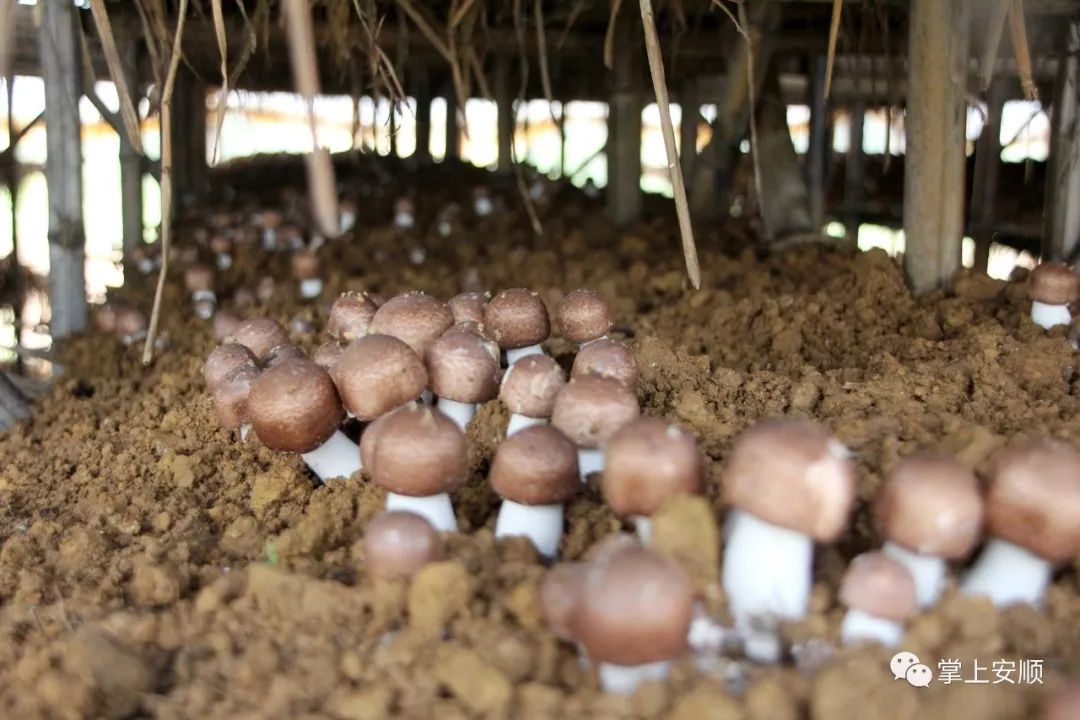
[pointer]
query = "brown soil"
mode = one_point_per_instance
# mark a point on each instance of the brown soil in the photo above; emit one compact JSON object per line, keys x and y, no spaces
{"x":151,"y":566}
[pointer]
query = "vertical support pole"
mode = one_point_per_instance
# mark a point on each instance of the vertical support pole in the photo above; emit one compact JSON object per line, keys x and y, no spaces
{"x":131,"y":162}
{"x":504,"y":102}
{"x":60,"y":65}
{"x":819,"y":147}
{"x":854,"y":175}
{"x":688,"y":127}
{"x":987,"y":167}
{"x":624,"y":126}
{"x":453,"y":133}
{"x":562,"y":138}
{"x":422,"y":93}
{"x":393,"y":149}
{"x":934,"y":163}
{"x":1062,"y":224}
{"x":189,"y":138}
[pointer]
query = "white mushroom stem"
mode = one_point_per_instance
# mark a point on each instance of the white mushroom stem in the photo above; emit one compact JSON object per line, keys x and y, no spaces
{"x":859,"y":626}
{"x":767,"y":577}
{"x":515,"y":354}
{"x":643,"y":525}
{"x":928,"y":572}
{"x":311,"y":288}
{"x":269,"y":239}
{"x":542,"y":524}
{"x":590,"y":460}
{"x":444,"y":229}
{"x":137,"y":336}
{"x":245,"y":430}
{"x":460,"y":412}
{"x":337,"y":457}
{"x":520,"y":422}
{"x":347,"y":221}
{"x":624,"y":679}
{"x":224,"y":261}
{"x":483,"y":206}
{"x":1047,"y":316}
{"x":427,"y":398}
{"x":436,"y":509}
{"x":145,"y":266}
{"x":404,"y":221}
{"x":1008,"y":574}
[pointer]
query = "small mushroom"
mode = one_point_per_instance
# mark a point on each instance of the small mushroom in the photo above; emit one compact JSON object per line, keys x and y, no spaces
{"x":225,"y":324}
{"x":463,"y":371}
{"x":199,"y":280}
{"x":483,"y":205}
{"x":529,"y":389}
{"x":307,"y":272}
{"x":518,"y":320}
{"x":560,"y":597}
{"x":397,"y":544}
{"x":468,"y":309}
{"x":130,"y":324}
{"x":404,"y":213}
{"x":880,"y":595}
{"x":589,"y":411}
{"x":1052,"y":286}
{"x":350,"y":316}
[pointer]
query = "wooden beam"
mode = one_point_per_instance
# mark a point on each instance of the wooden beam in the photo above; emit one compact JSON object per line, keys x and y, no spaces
{"x":60,"y":63}
{"x":820,"y":141}
{"x":131,"y":161}
{"x":987,"y":168}
{"x":934,"y":163}
{"x":624,"y":125}
{"x":1061,"y":237}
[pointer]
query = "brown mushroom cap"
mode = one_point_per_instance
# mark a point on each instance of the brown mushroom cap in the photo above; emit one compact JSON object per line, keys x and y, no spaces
{"x":560,"y":597}
{"x":635,"y":608}
{"x":463,"y":366}
{"x":537,"y":466}
{"x":792,"y":473}
{"x":105,"y":317}
{"x":584,"y":316}
{"x":260,"y":335}
{"x":327,"y":354}
{"x":305,"y":265}
{"x":198,"y":278}
{"x":130,"y":321}
{"x":418,"y":452}
{"x":264,"y":289}
{"x":1034,"y":499}
{"x":225,"y":324}
{"x":378,"y":373}
{"x":285,"y":352}
{"x":517,"y":318}
{"x":369,"y":438}
{"x":222,"y":360}
{"x":590,"y":410}
{"x":416,"y":318}
{"x":294,"y":407}
{"x":645,"y":463}
{"x":350,"y":316}
{"x":220,"y":245}
{"x":880,"y":586}
{"x":1054,"y":283}
{"x":606,"y":358}
{"x":231,"y":396}
{"x":531,"y":385}
{"x":931,"y":505}
{"x":1063,"y":703}
{"x":398,"y":543}
{"x":468,"y":308}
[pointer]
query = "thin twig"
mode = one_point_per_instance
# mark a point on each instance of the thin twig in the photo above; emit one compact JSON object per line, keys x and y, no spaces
{"x":574,"y":13}
{"x":166,"y":181}
{"x":223,"y":50}
{"x":682,"y":209}
{"x":734,"y":20}
{"x":7,"y":32}
{"x":994,"y":30}
{"x":1020,"y":49}
{"x":751,"y":93}
{"x":609,"y":37}
{"x":834,"y":34}
{"x":541,"y":51}
{"x":128,"y":113}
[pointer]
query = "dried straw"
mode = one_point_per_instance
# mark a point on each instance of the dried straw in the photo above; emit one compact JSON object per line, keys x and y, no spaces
{"x":1021,"y":50}
{"x":128,"y":113}
{"x":834,"y":34}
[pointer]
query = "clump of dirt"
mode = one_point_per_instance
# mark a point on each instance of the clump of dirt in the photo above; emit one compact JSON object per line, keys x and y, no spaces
{"x":153,"y":565}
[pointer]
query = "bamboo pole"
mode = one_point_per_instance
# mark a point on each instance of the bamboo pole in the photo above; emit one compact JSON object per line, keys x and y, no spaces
{"x":1061,"y":236}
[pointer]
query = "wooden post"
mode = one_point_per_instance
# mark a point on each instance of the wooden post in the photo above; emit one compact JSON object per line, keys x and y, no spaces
{"x":189,"y":138}
{"x":562,"y":138}
{"x":819,"y":147}
{"x":784,"y":201}
{"x":60,"y":63}
{"x":392,"y":150}
{"x":453,"y":133}
{"x":934,"y":162}
{"x":422,"y":93}
{"x":854,"y":174}
{"x":688,"y":127}
{"x":131,"y":162}
{"x":624,"y":126}
{"x":504,"y":101}
{"x":1061,"y":235}
{"x":987,"y":167}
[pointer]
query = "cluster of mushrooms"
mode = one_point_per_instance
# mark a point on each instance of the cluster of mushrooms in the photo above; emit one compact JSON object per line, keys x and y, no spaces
{"x":412,"y":370}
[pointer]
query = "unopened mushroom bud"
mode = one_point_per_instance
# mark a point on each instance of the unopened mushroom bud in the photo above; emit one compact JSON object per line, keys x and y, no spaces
{"x":327,"y":355}
{"x":789,"y":483}
{"x":463,"y":371}
{"x":199,"y":280}
{"x":265,"y":289}
{"x":608,"y":358}
{"x":1033,"y":518}
{"x":377,"y":374}
{"x":560,"y":597}
{"x":404,"y":214}
{"x":230,"y":396}
{"x":397,"y":544}
{"x":307,"y":272}
{"x":880,"y":595}
{"x":260,"y":335}
{"x":518,"y":320}
{"x":529,"y":389}
{"x":350,"y":316}
{"x":271,"y":221}
{"x":222,"y":247}
{"x":418,"y":455}
{"x":634,"y":616}
{"x":295,"y":408}
{"x":1052,"y":287}
{"x":647,"y":462}
{"x":482,"y":202}
{"x":447,"y":219}
{"x":584,"y":316}
{"x":589,"y":411}
{"x":930,"y":511}
{"x":468,"y":309}
{"x":535,"y":472}
{"x":225,"y":324}
{"x":223,"y":359}
{"x":130,"y":324}
{"x":415,"y":318}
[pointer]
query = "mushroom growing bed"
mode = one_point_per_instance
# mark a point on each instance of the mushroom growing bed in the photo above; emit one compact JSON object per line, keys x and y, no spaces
{"x":152,"y":565}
